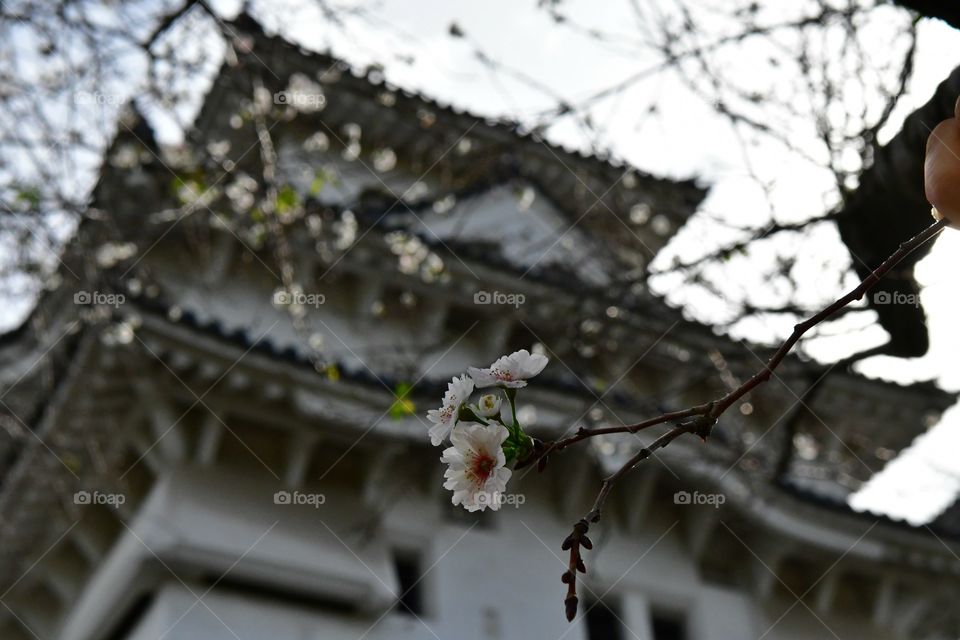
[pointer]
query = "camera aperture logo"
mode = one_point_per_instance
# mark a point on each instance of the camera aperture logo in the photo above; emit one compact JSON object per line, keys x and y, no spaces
{"x":99,"y":498}
{"x":299,"y":498}
{"x":696,"y":498}
{"x":896,"y":297}
{"x":99,"y":298}
{"x":499,"y":298}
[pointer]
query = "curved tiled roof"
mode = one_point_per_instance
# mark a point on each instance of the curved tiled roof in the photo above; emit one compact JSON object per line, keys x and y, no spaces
{"x":432,"y":388}
{"x":245,"y":24}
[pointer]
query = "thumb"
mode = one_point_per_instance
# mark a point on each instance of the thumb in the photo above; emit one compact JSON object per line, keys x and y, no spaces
{"x":942,"y":168}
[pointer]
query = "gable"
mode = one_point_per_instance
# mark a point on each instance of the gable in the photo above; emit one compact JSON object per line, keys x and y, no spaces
{"x":518,"y":222}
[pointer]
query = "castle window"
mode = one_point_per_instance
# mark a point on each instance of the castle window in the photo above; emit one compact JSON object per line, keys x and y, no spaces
{"x":604,"y":620}
{"x":134,"y":615}
{"x":409,"y":570}
{"x":668,"y":626}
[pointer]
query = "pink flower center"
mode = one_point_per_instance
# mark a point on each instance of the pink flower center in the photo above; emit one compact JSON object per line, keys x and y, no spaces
{"x":481,"y":465}
{"x":502,"y":374}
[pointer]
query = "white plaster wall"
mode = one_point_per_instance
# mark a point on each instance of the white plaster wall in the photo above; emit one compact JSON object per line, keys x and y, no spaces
{"x":490,"y":582}
{"x":176,"y":615}
{"x":481,"y":583}
{"x":801,"y":622}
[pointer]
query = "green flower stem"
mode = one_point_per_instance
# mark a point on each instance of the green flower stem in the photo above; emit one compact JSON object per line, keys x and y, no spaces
{"x":512,"y":399}
{"x":519,"y":442}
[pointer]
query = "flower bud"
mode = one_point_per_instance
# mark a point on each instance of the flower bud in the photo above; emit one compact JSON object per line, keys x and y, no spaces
{"x":488,"y":405}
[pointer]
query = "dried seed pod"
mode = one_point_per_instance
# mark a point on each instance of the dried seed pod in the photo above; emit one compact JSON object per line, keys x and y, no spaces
{"x":542,"y":463}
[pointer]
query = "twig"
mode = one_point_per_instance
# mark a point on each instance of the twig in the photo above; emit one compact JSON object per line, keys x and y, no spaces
{"x":702,"y":417}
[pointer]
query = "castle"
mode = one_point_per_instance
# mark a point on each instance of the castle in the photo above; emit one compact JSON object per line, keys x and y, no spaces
{"x":221,"y":408}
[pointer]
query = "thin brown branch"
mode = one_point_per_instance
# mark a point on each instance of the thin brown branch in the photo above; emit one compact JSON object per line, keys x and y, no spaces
{"x":168,"y":21}
{"x":726,"y":251}
{"x":703,"y":417}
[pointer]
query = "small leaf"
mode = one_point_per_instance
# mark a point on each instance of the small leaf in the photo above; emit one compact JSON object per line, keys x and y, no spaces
{"x":318,"y":183}
{"x":188,"y":188}
{"x":402,"y":406}
{"x":333,"y":372}
{"x":29,"y":196}
{"x":287,"y":199}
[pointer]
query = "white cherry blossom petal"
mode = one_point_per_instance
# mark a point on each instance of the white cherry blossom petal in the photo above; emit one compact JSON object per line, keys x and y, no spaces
{"x":510,"y":371}
{"x":477,"y":465}
{"x":444,"y":418}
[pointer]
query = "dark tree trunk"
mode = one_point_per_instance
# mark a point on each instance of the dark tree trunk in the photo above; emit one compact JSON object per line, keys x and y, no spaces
{"x":889,"y":207}
{"x":946,"y":10}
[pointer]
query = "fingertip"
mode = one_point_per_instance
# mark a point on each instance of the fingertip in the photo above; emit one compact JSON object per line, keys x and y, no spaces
{"x":956,"y":108}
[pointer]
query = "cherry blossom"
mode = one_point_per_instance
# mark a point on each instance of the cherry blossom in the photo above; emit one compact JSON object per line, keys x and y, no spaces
{"x":511,"y":372}
{"x":488,"y":405}
{"x":477,"y":465}
{"x":444,"y":418}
